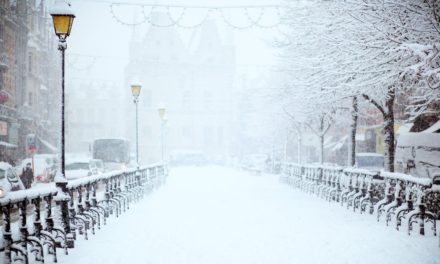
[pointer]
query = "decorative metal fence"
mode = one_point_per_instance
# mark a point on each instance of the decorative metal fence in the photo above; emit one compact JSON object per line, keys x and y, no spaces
{"x":396,"y":197}
{"x":37,"y":222}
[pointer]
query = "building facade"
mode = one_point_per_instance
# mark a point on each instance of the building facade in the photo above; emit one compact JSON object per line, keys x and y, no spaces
{"x":29,"y":79}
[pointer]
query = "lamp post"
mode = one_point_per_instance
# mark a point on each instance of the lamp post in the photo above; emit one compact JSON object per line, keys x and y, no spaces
{"x":136,"y":90}
{"x":63,"y":17}
{"x":162,"y":111}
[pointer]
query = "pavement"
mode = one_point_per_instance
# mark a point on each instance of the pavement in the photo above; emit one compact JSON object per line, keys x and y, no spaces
{"x":221,"y":215}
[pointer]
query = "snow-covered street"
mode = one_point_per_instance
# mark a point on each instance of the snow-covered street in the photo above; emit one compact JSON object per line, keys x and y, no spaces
{"x":219,"y":215}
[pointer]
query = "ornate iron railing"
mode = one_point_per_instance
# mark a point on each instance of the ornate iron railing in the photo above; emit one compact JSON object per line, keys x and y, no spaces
{"x":400,"y":198}
{"x":37,"y":222}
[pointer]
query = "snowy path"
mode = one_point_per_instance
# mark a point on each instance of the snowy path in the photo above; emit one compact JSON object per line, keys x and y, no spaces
{"x":216,"y":215}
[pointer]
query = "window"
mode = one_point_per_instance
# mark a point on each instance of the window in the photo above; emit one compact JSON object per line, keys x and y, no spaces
{"x":30,"y":98}
{"x":30,"y":62}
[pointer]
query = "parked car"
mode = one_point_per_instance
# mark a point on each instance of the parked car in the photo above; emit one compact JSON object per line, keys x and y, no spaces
{"x":418,"y":147}
{"x":97,"y":166}
{"x":79,"y":168}
{"x":9,"y":180}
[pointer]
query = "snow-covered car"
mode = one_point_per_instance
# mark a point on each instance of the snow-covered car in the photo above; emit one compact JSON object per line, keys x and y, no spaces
{"x":78,"y":168}
{"x":418,"y":147}
{"x":97,"y":166}
{"x":370,"y":161}
{"x":9,"y":180}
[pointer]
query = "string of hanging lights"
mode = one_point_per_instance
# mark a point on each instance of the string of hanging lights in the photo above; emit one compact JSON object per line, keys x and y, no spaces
{"x":168,"y":12}
{"x":221,"y":11}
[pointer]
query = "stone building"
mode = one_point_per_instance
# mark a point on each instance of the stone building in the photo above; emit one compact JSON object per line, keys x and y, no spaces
{"x":29,"y":78}
{"x":193,"y":80}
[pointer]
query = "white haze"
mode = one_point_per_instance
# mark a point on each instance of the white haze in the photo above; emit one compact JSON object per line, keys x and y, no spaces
{"x":99,"y":101}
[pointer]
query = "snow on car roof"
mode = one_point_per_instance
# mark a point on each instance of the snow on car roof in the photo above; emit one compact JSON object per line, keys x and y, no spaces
{"x":4,"y":165}
{"x":77,"y":160}
{"x":369,"y":154}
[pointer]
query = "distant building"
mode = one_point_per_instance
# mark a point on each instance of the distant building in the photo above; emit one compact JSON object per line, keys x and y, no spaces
{"x":97,"y":113}
{"x":194,"y":81}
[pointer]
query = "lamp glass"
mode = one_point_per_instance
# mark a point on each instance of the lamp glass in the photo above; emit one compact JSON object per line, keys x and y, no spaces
{"x":62,"y":24}
{"x":135,"y":90}
{"x":161,"y":111}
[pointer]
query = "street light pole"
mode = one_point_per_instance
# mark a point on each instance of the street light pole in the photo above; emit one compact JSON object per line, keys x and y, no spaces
{"x":161,"y":138}
{"x":136,"y":90}
{"x":63,"y":17}
{"x":62,"y":46}
{"x":137,"y":134}
{"x":162,"y":110}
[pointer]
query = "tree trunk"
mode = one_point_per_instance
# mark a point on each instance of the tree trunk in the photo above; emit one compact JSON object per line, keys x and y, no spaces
{"x":321,"y":141}
{"x":389,"y":130}
{"x":299,"y":145}
{"x":354,"y":118}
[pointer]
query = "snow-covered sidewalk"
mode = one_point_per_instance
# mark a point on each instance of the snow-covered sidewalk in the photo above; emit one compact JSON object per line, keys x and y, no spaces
{"x":215,"y":215}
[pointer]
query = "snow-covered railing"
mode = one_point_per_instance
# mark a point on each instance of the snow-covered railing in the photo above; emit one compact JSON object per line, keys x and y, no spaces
{"x":400,"y":197}
{"x":36,"y":222}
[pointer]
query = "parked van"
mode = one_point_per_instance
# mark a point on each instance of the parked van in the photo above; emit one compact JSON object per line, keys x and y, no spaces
{"x":418,"y":147}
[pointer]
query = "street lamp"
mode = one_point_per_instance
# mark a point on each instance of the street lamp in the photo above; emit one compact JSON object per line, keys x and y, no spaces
{"x":136,"y":90}
{"x":162,"y":111}
{"x":63,"y":17}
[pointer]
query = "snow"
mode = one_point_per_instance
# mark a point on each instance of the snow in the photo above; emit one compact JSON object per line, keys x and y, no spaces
{"x":419,"y":139}
{"x":8,"y":145}
{"x":41,"y":190}
{"x":217,"y":215}
{"x":5,"y":165}
{"x":406,"y":177}
{"x":360,"y":171}
{"x":61,"y":7}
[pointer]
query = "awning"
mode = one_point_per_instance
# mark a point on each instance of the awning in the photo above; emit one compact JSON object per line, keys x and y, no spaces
{"x":7,"y":145}
{"x":48,"y":145}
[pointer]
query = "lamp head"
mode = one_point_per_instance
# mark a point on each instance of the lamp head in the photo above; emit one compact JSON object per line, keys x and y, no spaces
{"x":62,"y":16}
{"x":136,"y":90}
{"x":162,"y":110}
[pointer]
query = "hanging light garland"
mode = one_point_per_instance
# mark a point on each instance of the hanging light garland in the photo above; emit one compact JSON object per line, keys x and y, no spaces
{"x":210,"y":10}
{"x":168,"y":12}
{"x":178,"y":22}
{"x":115,"y":17}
